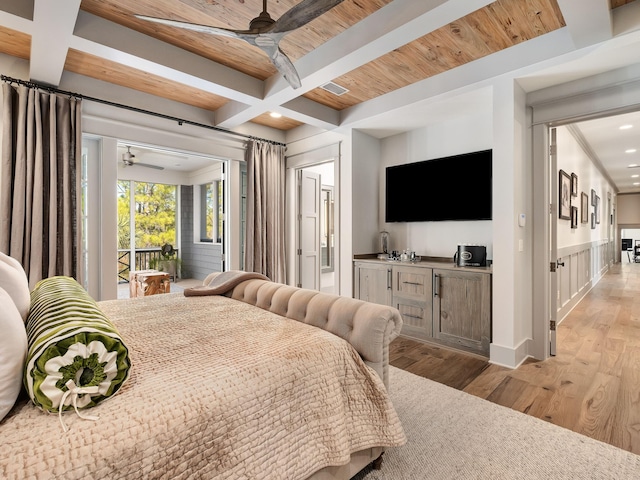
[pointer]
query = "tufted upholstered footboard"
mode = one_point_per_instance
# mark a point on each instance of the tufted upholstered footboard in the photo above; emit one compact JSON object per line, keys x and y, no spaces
{"x":369,"y":327}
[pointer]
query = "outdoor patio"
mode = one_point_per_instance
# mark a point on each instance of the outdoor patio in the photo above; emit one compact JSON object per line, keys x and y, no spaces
{"x":178,"y":286}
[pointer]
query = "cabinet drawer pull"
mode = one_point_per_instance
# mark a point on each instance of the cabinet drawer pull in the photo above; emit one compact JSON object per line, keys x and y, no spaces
{"x":436,"y":286}
{"x":412,"y":283}
{"x":412,"y":316}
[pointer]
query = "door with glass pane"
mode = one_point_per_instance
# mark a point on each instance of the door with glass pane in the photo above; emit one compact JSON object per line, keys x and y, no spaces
{"x":147,"y":222}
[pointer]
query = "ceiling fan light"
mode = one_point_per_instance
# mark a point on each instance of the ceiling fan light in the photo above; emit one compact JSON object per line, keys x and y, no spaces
{"x":275,"y":115}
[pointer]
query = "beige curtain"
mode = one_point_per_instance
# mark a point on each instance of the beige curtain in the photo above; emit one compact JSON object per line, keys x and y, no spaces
{"x":40,"y":182}
{"x":265,"y":228}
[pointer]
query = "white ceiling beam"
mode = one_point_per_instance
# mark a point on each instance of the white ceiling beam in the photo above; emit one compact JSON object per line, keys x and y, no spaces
{"x":588,"y":21}
{"x":306,"y":111}
{"x":390,"y":27}
{"x":472,"y":74}
{"x":99,"y":37}
{"x":626,"y":19}
{"x":18,"y":21}
{"x":51,"y":20}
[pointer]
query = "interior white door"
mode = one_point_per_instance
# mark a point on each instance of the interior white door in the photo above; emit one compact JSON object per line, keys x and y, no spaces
{"x":309,"y":198}
{"x":553,"y":241}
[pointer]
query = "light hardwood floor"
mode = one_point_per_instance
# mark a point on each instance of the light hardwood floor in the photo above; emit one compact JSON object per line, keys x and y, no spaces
{"x":592,"y":385}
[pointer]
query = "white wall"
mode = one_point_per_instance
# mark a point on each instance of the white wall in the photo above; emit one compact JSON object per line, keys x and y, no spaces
{"x":573,"y":159}
{"x":435,"y":239}
{"x":628,"y":211}
{"x":512,"y":192}
{"x":366,"y":154}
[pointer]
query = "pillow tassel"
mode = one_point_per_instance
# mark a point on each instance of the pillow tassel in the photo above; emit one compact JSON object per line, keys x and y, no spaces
{"x":74,"y":392}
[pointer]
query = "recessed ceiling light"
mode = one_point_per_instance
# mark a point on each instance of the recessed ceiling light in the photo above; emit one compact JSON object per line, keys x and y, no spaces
{"x":626,"y":127}
{"x":636,"y":183}
{"x":275,"y":114}
{"x":632,"y":165}
{"x":635,"y":176}
{"x":630,"y":150}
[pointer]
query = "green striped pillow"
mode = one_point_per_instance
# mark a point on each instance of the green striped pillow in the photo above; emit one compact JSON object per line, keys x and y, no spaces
{"x":76,"y":355}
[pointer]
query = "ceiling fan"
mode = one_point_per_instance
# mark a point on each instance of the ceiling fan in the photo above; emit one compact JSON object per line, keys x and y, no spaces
{"x":265,"y":32}
{"x":127,"y":159}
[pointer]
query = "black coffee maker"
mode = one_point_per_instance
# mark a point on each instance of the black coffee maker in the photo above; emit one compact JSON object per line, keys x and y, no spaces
{"x":471,"y":256}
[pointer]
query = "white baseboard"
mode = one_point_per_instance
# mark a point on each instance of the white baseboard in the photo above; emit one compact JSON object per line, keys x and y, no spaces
{"x":510,"y":357}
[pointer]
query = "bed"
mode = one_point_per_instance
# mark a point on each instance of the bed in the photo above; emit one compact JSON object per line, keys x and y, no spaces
{"x":243,"y":378}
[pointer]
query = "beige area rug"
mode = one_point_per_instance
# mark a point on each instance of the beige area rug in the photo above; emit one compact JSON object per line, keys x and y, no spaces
{"x":454,"y":435}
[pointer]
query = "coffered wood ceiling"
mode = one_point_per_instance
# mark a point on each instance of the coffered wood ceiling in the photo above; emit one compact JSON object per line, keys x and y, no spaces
{"x":370,"y":47}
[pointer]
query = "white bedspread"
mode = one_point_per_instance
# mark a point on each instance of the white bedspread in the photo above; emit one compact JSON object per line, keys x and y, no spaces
{"x":218,"y":390}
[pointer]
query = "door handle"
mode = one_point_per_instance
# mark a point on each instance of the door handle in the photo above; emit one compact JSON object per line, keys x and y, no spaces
{"x":388,"y":279}
{"x":436,"y":285}
{"x":559,"y":263}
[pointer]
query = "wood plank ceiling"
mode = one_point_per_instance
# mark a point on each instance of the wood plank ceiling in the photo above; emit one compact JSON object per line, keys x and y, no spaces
{"x":497,"y":26}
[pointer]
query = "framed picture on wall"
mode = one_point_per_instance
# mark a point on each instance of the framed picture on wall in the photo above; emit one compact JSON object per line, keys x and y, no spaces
{"x":574,"y":185}
{"x":564,"y":195}
{"x":593,"y":221}
{"x":584,"y":208}
{"x":597,"y":209}
{"x":593,"y":197}
{"x":574,"y":217}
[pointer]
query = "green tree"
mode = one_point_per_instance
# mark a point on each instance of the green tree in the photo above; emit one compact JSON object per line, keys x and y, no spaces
{"x":155,"y":214}
{"x":124,"y":224}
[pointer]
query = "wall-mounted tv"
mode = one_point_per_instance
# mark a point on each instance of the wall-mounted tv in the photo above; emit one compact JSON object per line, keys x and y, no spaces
{"x":449,"y":188}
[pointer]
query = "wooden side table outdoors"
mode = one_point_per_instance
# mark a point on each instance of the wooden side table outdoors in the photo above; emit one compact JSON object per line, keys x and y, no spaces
{"x":143,"y":283}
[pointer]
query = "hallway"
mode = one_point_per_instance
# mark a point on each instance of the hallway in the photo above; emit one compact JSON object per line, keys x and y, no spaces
{"x":591,"y":387}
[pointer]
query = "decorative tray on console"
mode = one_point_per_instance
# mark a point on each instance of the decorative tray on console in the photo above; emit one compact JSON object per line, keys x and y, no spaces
{"x":399,"y":258}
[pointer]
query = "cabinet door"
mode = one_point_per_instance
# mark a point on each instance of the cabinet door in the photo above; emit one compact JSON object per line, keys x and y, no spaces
{"x":373,"y":283}
{"x":462,"y":309}
{"x":412,"y":289}
{"x":416,"y":317}
{"x":412,"y":282}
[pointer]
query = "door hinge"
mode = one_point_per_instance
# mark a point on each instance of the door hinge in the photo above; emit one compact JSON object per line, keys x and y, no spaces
{"x":553,"y":149}
{"x":552,"y":325}
{"x":299,"y":251}
{"x":552,"y":267}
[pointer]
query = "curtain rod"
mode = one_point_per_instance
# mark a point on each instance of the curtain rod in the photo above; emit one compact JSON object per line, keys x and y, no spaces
{"x":180,"y":121}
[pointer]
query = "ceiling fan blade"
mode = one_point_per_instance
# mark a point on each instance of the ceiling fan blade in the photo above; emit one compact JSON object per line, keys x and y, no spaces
{"x":193,"y":26}
{"x":286,"y":68}
{"x":148,"y":165}
{"x":302,"y":14}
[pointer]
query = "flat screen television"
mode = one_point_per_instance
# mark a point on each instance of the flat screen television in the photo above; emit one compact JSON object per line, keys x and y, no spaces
{"x":449,"y":188}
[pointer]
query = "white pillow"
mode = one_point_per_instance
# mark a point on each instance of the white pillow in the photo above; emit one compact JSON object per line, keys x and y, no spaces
{"x":13,"y":353}
{"x":14,"y":281}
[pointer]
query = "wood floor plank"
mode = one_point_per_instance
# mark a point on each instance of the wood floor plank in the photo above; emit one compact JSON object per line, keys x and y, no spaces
{"x":533,"y":401}
{"x":598,"y":407}
{"x":508,"y":392}
{"x":592,"y":386}
{"x":626,"y":416}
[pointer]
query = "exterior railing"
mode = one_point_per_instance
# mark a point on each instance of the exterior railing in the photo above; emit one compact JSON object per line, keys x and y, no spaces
{"x":143,"y":257}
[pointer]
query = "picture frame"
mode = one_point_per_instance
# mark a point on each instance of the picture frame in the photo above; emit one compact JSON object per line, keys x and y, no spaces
{"x":564,"y":195}
{"x":574,"y":217}
{"x":574,"y":185}
{"x":597,"y":209}
{"x":593,"y":221}
{"x":584,"y":208}
{"x":593,"y":197}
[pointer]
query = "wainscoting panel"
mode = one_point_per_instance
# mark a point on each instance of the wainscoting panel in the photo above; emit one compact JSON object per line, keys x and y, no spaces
{"x":584,"y":265}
